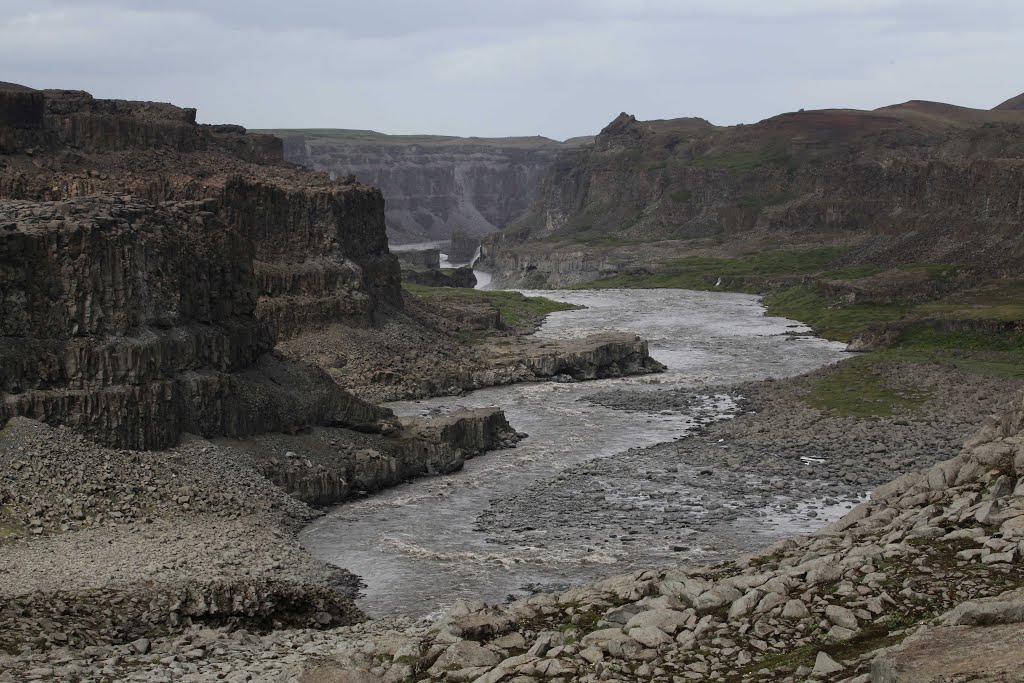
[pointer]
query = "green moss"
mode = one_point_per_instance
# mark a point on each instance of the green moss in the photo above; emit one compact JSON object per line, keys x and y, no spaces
{"x":740,"y":161}
{"x":854,"y":389}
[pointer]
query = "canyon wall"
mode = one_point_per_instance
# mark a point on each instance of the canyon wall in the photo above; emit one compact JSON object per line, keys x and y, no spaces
{"x":434,"y":185}
{"x":149,"y":264}
{"x":917,"y":182}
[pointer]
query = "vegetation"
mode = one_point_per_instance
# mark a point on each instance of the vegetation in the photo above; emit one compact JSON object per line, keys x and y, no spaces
{"x":681,"y":196}
{"x":703,"y":272}
{"x":829,"y":319}
{"x":857,"y":389}
{"x":740,"y":161}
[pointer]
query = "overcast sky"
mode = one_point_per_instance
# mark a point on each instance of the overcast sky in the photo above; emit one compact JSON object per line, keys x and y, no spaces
{"x":514,"y":67}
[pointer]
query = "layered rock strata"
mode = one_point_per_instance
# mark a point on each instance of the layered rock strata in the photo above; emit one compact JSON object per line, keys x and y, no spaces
{"x":151,"y":264}
{"x":434,"y":184}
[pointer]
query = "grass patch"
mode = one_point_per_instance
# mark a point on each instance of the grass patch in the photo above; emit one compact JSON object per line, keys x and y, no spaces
{"x":740,"y":161}
{"x":1000,"y":299}
{"x":703,"y":272}
{"x":681,"y":196}
{"x":513,"y":307}
{"x":852,"y":272}
{"x":836,"y":321}
{"x":853,"y":389}
{"x":9,"y":529}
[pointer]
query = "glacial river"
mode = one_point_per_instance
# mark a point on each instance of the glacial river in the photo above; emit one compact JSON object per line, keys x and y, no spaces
{"x":421,"y":546}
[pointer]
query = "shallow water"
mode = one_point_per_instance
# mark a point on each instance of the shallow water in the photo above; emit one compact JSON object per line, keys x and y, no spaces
{"x":421,"y":546}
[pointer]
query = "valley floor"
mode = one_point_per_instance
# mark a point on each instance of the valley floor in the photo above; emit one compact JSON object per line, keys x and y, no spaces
{"x":183,"y":565}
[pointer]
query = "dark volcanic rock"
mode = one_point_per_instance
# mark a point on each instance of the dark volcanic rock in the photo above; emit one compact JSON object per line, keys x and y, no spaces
{"x":144,"y":285}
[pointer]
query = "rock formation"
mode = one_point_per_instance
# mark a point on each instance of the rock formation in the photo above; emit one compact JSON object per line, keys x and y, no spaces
{"x":151,"y":263}
{"x":423,"y":258}
{"x":462,"y":247}
{"x":434,"y":184}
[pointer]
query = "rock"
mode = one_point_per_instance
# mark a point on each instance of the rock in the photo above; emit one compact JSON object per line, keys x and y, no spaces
{"x":649,"y":636}
{"x":332,"y":673}
{"x":1007,"y":608}
{"x":825,"y":665}
{"x":545,"y":641}
{"x":669,"y":621}
{"x":841,"y":616}
{"x":990,"y":654}
{"x":795,"y":609}
{"x":462,"y":655}
{"x":141,"y":646}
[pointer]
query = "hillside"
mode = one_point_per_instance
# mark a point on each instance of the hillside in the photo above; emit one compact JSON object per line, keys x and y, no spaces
{"x":913,"y":183}
{"x":434,"y":184}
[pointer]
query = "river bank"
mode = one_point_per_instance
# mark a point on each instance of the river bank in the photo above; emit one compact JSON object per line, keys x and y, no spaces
{"x":204,"y":512}
{"x":922,"y":545}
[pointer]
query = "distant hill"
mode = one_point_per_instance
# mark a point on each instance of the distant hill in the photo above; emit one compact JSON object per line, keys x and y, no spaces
{"x":1014,"y":103}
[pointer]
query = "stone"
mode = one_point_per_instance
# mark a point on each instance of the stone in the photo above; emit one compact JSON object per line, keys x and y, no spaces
{"x":841,"y":616}
{"x":744,"y":605}
{"x":650,"y":636}
{"x":669,"y":621}
{"x":464,"y":654}
{"x":795,"y":609}
{"x":991,"y":654}
{"x":141,"y":646}
{"x":825,"y":665}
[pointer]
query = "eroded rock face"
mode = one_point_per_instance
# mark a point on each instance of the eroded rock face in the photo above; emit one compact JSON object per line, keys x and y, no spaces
{"x":150,"y":265}
{"x":942,"y":192}
{"x":437,"y":184}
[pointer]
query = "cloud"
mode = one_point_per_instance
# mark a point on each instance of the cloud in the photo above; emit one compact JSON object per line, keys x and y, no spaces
{"x":514,"y":68}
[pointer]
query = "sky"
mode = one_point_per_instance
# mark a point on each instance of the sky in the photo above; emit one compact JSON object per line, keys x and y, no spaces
{"x":558,"y":68}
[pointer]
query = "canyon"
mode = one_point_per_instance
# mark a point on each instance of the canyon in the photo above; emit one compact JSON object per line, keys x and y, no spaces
{"x":434,"y":185}
{"x":199,"y":340}
{"x":918,"y":182}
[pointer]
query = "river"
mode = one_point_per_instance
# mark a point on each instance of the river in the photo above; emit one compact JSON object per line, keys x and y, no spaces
{"x":423,"y":545}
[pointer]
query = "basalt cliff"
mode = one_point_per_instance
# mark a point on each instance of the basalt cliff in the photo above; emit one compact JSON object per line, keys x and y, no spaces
{"x":150,"y":264}
{"x":434,"y":185}
{"x":918,"y":182}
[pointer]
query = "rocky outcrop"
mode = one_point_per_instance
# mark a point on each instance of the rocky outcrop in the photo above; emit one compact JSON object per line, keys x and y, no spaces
{"x":462,"y":247}
{"x":151,"y":264}
{"x":327,"y":471}
{"x":135,"y":323}
{"x":424,"y":258}
{"x":434,"y":184}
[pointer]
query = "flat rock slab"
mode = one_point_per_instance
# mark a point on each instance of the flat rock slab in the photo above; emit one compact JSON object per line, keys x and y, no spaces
{"x":955,"y":654}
